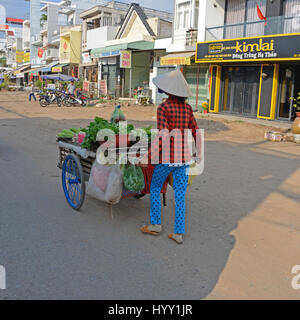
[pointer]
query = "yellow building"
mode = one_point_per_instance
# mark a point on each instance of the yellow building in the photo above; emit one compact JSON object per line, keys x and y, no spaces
{"x":69,"y":50}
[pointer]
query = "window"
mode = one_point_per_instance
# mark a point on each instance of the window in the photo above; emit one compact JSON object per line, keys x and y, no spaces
{"x":183,"y":15}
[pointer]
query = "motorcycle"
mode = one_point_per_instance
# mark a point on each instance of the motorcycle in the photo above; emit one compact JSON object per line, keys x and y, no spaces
{"x":49,"y":98}
{"x":71,"y":100}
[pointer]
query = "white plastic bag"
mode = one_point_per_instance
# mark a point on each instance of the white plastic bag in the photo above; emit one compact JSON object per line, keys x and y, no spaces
{"x":110,"y":188}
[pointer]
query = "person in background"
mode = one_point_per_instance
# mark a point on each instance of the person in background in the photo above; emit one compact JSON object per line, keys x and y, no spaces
{"x":32,"y":95}
{"x":173,"y":114}
{"x":71,"y":88}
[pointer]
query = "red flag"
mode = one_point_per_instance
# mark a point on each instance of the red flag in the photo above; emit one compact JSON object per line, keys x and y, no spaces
{"x":40,"y":52}
{"x":260,"y":15}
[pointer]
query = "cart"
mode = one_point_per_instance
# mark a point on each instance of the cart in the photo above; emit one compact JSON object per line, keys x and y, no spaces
{"x":76,"y":164}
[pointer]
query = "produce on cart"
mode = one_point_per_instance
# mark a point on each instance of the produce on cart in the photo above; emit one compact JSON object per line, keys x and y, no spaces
{"x":108,"y":183}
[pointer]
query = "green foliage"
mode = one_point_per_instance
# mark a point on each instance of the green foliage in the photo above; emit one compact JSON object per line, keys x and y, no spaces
{"x":38,"y":84}
{"x":68,"y":133}
{"x":296,"y":102}
{"x":90,"y":141}
{"x":79,"y":84}
{"x":3,"y":62}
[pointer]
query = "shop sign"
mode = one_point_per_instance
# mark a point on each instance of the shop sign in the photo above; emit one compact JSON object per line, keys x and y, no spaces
{"x":20,"y":75}
{"x":86,"y":58}
{"x":264,"y":48}
{"x":166,"y":61}
{"x":19,"y":56}
{"x":103,"y":87}
{"x":125,"y":59}
{"x":56,"y":69}
{"x":105,"y":54}
{"x":85,"y":86}
{"x":27,"y":57}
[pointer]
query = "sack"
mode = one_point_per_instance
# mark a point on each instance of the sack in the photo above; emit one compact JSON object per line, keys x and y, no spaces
{"x":133,"y":178}
{"x":117,"y":115}
{"x":191,"y":178}
{"x":105,"y":183}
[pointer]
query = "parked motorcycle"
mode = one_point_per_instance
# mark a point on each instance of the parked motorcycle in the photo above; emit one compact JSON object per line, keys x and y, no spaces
{"x":71,"y":100}
{"x":50,"y":97}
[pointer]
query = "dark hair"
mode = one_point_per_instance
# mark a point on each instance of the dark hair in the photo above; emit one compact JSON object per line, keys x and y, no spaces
{"x":181,"y":99}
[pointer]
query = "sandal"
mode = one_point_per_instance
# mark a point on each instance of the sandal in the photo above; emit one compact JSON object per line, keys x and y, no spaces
{"x":145,"y":229}
{"x":178,"y":239}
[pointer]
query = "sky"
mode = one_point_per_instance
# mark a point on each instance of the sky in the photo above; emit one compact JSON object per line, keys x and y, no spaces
{"x":20,"y":8}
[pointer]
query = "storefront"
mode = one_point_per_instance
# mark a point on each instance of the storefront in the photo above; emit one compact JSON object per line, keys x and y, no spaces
{"x":254,"y":76}
{"x":196,"y":75}
{"x":124,"y":67}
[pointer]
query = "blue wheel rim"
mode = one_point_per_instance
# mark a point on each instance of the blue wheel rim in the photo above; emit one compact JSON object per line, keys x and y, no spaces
{"x":72,"y":182}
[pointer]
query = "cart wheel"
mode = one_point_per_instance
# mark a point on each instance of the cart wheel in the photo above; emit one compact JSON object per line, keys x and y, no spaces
{"x":73,"y":181}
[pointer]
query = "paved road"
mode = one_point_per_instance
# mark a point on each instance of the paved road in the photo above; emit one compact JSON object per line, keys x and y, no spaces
{"x":51,"y":252}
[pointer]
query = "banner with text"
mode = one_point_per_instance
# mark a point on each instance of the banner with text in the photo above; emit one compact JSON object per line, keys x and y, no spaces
{"x":264,"y":48}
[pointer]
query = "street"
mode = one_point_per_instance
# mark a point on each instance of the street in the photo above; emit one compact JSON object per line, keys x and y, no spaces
{"x":243,"y":219}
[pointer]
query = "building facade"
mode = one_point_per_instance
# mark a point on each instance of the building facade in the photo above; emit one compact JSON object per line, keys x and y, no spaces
{"x":188,"y":25}
{"x":254,"y":63}
{"x":120,"y":39}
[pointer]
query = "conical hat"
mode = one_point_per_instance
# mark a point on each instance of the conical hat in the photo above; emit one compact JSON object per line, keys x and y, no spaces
{"x":173,"y":83}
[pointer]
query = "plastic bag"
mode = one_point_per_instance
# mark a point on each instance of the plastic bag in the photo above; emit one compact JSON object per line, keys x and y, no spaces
{"x":117,"y":115}
{"x":133,"y":178}
{"x":105,"y":183}
{"x":191,"y":177}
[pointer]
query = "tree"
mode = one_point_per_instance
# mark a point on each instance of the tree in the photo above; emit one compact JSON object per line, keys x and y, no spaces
{"x":43,"y":19}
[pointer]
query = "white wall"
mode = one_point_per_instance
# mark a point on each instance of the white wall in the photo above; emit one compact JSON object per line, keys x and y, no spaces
{"x":96,"y":38}
{"x":211,"y":14}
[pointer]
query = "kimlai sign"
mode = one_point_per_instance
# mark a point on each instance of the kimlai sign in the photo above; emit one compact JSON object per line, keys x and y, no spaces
{"x":264,"y":48}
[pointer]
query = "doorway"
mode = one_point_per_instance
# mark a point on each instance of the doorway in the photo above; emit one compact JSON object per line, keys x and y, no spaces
{"x":241,"y":90}
{"x":286,"y":89}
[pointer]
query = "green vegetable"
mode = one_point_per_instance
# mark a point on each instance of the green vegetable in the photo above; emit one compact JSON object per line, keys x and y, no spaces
{"x":133,"y":178}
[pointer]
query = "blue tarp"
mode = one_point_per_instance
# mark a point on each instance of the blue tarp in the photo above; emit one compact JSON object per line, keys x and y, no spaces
{"x":58,"y":76}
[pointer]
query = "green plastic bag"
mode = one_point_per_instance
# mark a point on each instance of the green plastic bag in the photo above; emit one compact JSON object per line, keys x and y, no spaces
{"x":117,"y":115}
{"x":133,"y":178}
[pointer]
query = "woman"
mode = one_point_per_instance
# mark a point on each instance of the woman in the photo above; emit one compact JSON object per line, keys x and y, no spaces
{"x":173,"y":114}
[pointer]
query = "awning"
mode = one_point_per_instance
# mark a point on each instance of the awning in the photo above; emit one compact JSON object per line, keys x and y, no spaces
{"x":33,"y":71}
{"x":21,"y":69}
{"x":48,"y":68}
{"x":115,"y":50}
{"x":59,"y":67}
{"x":89,"y":64}
{"x":177,"y":58}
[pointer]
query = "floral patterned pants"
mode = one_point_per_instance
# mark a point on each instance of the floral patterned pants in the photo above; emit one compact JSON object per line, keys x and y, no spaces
{"x":180,"y":176}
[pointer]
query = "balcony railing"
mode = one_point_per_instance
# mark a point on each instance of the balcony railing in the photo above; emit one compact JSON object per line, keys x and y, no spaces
{"x":274,"y":25}
{"x":191,"y":37}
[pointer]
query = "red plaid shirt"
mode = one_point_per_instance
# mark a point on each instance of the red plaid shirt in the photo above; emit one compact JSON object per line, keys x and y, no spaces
{"x":174,"y":114}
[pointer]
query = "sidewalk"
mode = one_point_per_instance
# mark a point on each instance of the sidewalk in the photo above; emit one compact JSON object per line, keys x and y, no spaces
{"x":284,"y":125}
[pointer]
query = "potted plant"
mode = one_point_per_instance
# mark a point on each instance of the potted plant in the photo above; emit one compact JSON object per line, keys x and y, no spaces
{"x":205,"y":107}
{"x":296,"y":106}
